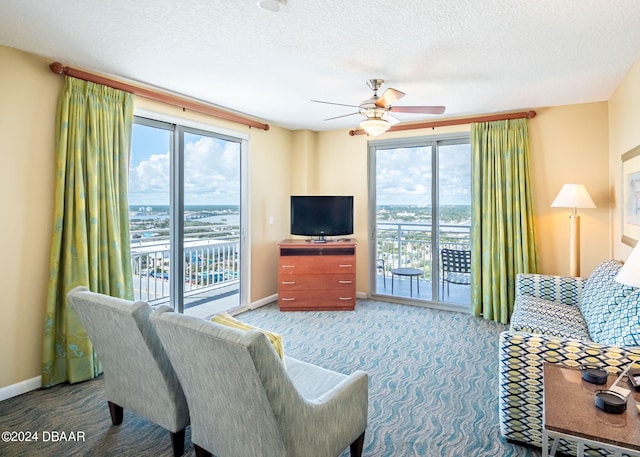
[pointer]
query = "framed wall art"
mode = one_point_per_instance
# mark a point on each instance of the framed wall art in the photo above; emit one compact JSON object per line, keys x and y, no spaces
{"x":630,"y":185}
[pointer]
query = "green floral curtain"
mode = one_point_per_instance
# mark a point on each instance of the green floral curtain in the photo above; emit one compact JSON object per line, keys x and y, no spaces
{"x":90,"y":241}
{"x":503,"y":235}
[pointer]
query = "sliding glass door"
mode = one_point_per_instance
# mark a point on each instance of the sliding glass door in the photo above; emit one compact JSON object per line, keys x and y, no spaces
{"x":149,"y":209}
{"x":186,"y":213}
{"x":454,"y":222}
{"x":403,"y":191}
{"x":420,"y":201}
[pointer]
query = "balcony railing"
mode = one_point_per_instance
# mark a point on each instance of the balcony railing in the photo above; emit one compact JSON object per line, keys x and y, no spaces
{"x":409,"y":244}
{"x":211,"y":260}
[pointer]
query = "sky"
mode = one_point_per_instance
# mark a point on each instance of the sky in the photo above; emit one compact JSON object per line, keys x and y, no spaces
{"x":212,"y":172}
{"x":403,"y":175}
{"x":212,"y":169}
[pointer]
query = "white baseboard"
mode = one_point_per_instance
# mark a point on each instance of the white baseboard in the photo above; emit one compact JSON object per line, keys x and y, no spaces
{"x":263,"y":301}
{"x":20,"y":388}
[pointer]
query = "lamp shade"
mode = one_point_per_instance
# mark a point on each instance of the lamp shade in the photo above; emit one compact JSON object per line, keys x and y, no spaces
{"x":629,"y":274}
{"x":374,"y":126}
{"x":573,"y":196}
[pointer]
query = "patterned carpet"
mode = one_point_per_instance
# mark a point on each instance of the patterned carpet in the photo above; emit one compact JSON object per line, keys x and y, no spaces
{"x":432,"y":374}
{"x":433,"y":387}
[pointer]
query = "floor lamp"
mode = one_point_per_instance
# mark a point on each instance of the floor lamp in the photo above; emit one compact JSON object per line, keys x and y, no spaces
{"x":574,"y":196}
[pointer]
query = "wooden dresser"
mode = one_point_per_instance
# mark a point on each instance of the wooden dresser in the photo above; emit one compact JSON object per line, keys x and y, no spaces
{"x":317,"y":276}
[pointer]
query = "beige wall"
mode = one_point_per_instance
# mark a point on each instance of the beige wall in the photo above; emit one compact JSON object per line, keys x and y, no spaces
{"x":569,"y":144}
{"x":28,"y":95}
{"x":566,"y":142}
{"x":303,"y":160}
{"x":270,"y":163}
{"x":624,"y":134}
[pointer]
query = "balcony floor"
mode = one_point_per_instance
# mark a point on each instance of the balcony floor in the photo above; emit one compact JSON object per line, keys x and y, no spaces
{"x":458,"y":294}
{"x":214,"y":300}
{"x":206,"y":301}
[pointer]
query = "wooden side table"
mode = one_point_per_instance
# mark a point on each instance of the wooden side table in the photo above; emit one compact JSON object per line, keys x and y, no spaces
{"x":570,"y":413}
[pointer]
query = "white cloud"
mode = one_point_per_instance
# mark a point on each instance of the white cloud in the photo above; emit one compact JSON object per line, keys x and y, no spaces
{"x":211,"y":168}
{"x":404,"y":176}
{"x":149,"y":181}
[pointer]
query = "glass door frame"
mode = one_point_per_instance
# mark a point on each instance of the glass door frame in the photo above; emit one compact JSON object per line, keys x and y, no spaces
{"x":432,"y":142}
{"x":180,"y":126}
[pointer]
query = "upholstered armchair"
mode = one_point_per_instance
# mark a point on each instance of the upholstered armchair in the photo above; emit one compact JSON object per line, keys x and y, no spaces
{"x":137,"y":373}
{"x":247,"y":402}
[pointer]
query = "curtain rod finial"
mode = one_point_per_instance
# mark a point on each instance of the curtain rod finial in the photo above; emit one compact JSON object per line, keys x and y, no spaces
{"x":57,"y":68}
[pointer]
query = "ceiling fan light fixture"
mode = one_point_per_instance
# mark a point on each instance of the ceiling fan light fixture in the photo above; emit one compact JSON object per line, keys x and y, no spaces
{"x":374,"y":127}
{"x":271,"y":5}
{"x":377,"y":109}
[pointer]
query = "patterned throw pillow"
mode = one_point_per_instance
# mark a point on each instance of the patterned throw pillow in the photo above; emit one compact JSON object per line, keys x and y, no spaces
{"x":537,"y":315}
{"x":601,"y":295}
{"x":623,"y":326}
{"x":229,"y":321}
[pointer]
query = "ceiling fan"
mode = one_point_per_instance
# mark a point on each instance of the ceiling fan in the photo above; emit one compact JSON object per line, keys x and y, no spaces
{"x":377,"y":109}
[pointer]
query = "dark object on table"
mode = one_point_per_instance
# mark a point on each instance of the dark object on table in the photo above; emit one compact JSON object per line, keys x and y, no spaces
{"x":610,"y":401}
{"x":594,"y":374}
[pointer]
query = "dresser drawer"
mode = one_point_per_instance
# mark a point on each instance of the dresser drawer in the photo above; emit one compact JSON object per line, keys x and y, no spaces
{"x":317,"y":264}
{"x":312,"y":282}
{"x":300,"y":300}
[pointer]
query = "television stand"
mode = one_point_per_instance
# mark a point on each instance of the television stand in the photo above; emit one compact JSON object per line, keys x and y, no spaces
{"x":316,"y":276}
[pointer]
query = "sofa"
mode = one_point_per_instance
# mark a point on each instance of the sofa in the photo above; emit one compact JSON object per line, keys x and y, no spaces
{"x":567,"y":320}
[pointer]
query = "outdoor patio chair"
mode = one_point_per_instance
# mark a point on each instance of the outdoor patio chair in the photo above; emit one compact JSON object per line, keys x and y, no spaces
{"x":456,"y":267}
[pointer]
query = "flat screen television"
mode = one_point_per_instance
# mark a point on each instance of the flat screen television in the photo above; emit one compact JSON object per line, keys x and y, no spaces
{"x":321,"y":215}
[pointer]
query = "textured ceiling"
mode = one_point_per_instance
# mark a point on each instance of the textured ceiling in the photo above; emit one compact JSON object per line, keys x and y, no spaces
{"x":474,"y":57}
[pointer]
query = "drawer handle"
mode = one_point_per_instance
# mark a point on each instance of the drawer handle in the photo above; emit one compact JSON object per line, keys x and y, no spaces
{"x":344,"y":282}
{"x":345,"y":298}
{"x":288,"y":282}
{"x":345,"y":265}
{"x":288,"y":299}
{"x":288,"y":266}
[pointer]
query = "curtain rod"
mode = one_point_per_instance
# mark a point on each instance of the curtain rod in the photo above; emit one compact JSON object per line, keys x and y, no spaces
{"x":459,"y":121}
{"x":169,"y":99}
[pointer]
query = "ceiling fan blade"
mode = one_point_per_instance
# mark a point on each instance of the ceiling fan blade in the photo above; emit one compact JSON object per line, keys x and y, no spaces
{"x":418,"y":109}
{"x":338,"y":117}
{"x":388,"y":97}
{"x":332,"y":103}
